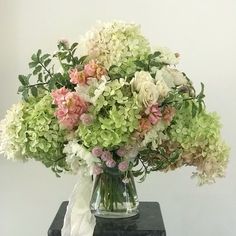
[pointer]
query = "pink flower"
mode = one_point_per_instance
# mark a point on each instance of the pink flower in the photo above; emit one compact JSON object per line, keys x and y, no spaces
{"x":121,"y":152}
{"x":97,"y":151}
{"x":106,"y":156}
{"x":97,"y":170}
{"x":123,"y":166}
{"x":58,"y":95}
{"x":86,"y":119}
{"x":154,"y":114}
{"x":69,"y":107}
{"x":110,"y":163}
{"x":77,"y":77}
{"x":90,"y":69}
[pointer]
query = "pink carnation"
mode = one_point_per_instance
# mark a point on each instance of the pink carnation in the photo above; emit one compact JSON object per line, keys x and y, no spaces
{"x":123,"y":166}
{"x":97,"y":151}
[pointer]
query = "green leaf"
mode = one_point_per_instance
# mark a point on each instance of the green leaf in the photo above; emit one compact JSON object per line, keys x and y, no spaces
{"x":52,"y":84}
{"x":46,"y":63}
{"x":40,"y":77}
{"x":156,"y":54}
{"x":25,"y":94}
{"x":33,"y":64}
{"x":24,"y":79}
{"x":74,"y":45}
{"x":21,"y":89}
{"x":45,"y":56}
{"x":39,"y":52}
{"x":194,"y":109}
{"x":82,"y":59}
{"x":34,"y":91}
{"x":34,"y":58}
{"x":37,"y":69}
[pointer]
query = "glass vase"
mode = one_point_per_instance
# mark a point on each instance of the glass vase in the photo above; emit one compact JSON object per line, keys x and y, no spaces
{"x":114,"y":194}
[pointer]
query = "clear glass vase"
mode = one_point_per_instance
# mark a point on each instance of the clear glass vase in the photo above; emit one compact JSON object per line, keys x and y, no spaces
{"x":114,"y":195}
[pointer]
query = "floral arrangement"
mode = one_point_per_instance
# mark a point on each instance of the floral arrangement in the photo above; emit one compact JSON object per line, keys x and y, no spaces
{"x":120,"y":105}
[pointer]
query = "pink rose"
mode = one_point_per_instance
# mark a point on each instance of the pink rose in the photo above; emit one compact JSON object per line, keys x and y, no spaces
{"x":121,"y":152}
{"x":123,"y":166}
{"x":110,"y":163}
{"x":106,"y":156}
{"x":97,"y":151}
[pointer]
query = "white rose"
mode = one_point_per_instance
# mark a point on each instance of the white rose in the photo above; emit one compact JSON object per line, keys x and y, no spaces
{"x":148,"y":93}
{"x":140,"y":77}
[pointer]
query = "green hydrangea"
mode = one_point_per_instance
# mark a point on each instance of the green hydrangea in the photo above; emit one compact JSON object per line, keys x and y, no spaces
{"x":116,"y":117}
{"x":201,"y":141}
{"x":44,"y":139}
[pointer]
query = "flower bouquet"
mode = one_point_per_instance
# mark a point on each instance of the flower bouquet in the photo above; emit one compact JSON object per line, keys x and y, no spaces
{"x":118,"y":111}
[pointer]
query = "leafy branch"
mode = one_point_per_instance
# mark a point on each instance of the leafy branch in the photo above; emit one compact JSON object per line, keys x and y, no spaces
{"x":43,"y":70}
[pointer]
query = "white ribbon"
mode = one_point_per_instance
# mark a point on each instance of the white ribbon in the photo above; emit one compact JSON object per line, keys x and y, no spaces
{"x":78,"y":220}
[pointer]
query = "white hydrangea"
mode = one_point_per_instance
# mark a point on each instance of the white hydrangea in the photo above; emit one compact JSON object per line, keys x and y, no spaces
{"x":97,"y":88}
{"x":10,"y":129}
{"x":115,"y":43}
{"x":155,"y":136}
{"x":167,"y":56}
{"x":79,"y":158}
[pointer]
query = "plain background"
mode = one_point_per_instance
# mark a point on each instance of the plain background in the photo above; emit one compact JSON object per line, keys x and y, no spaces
{"x":203,"y":32}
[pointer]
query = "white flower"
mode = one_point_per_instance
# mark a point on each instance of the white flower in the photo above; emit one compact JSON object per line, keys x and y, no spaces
{"x":97,"y":88}
{"x":115,"y":43}
{"x":139,"y":78}
{"x":176,"y":76}
{"x":171,"y":77}
{"x":10,"y":128}
{"x":167,"y":56}
{"x":79,"y":158}
{"x":162,"y":87}
{"x":148,"y":94}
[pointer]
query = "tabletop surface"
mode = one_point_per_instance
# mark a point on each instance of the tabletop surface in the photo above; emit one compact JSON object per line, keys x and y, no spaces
{"x":149,"y":222}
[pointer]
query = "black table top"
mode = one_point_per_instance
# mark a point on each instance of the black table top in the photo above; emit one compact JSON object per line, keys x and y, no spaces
{"x":149,"y":222}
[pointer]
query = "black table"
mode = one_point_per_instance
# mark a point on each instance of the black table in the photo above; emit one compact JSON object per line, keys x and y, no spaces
{"x":149,"y":222}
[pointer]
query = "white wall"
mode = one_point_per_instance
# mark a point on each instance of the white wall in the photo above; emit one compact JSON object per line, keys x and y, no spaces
{"x":203,"y":31}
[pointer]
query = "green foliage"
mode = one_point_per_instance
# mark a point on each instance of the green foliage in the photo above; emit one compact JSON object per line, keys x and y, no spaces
{"x":127,"y":70}
{"x":154,"y":160}
{"x":43,"y":70}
